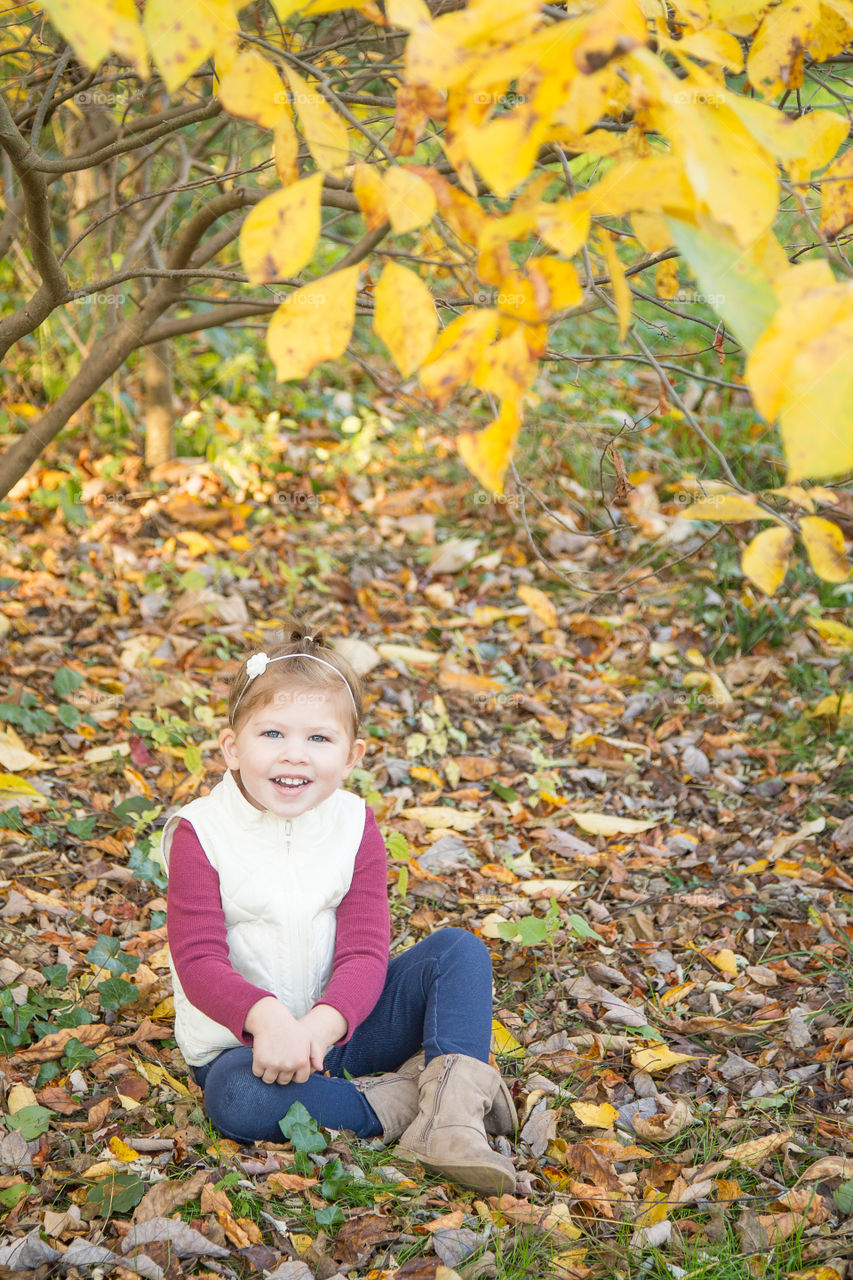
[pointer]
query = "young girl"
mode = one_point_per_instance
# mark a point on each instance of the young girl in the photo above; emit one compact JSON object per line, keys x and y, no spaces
{"x":279,"y":929}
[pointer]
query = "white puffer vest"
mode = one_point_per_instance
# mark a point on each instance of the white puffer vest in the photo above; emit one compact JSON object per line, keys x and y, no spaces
{"x":281,"y":882}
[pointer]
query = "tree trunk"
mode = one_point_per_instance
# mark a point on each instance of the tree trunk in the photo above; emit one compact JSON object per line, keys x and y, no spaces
{"x":159,"y":405}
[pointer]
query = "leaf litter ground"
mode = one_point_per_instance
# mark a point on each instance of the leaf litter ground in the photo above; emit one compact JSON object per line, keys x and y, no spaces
{"x":655,"y":845}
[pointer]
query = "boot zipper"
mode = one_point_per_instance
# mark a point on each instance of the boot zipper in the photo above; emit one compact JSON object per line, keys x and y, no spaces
{"x":448,"y":1063}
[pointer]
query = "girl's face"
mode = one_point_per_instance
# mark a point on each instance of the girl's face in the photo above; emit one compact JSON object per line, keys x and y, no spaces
{"x":293,"y":752}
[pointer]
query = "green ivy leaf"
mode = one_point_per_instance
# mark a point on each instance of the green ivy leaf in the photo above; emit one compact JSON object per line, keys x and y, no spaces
{"x":530,"y":931}
{"x":56,"y":974}
{"x":505,"y":793}
{"x":116,"y":992}
{"x":9,"y":1196}
{"x":329,"y":1217}
{"x":335,"y":1178}
{"x":843,"y":1197}
{"x":47,"y":1071}
{"x":31,"y":1122}
{"x":76,"y":1054}
{"x":107,"y":954}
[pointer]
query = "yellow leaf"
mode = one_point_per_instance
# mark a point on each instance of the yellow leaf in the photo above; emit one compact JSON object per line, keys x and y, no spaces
{"x":286,"y":149}
{"x":164,"y":1010}
{"x":507,"y":368}
{"x":726,"y":507}
{"x":565,"y":224}
{"x":540,"y":603}
{"x":836,"y":187}
{"x":371,"y":193}
{"x":313,"y":324}
{"x":609,"y":824}
{"x":20,"y":1096}
{"x":595,"y":1117}
{"x":618,"y":283}
{"x":562,"y":281}
{"x":724,"y":960}
{"x":658,"y":1058}
{"x":504,"y":1042}
{"x":122,"y":1151}
{"x":657,"y":1207}
{"x":457,"y":353}
{"x":488,"y":453}
{"x":405,"y":317}
{"x":765,"y":559}
{"x":408,"y":653}
{"x":325,"y":131}
{"x":182,"y":37}
{"x":504,"y":150}
{"x":757,"y":1149}
{"x":409,"y":201}
{"x":279,"y":235}
{"x":240,"y":542}
{"x":825,"y":544}
{"x":196,"y":543}
{"x":14,"y":755}
{"x":833,"y":632}
{"x":666,"y":278}
{"x":18,"y":790}
{"x":253,"y":89}
{"x":95,"y":28}
{"x":834,"y":705}
{"x":155,"y":1074}
{"x":440,"y":815}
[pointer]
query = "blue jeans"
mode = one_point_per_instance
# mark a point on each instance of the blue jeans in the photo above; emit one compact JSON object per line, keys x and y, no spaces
{"x":438,"y":995}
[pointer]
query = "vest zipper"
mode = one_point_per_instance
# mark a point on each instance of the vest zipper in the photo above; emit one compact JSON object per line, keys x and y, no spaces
{"x":448,"y":1063}
{"x":288,"y":832}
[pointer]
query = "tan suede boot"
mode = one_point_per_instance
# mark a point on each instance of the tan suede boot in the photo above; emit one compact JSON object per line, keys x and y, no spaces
{"x":448,"y":1134}
{"x":394,"y":1096}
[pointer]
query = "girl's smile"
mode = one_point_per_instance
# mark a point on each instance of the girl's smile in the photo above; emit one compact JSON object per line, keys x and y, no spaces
{"x":293,"y":752}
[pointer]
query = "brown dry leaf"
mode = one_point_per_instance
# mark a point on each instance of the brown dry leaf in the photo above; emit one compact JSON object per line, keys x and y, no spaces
{"x":475,"y":768}
{"x":53,"y":1045}
{"x":447,"y":1220}
{"x":828,"y":1167}
{"x":164,"y":1197}
{"x":358,"y":1237}
{"x":666,"y":1124}
{"x":283,"y":1183}
{"x":757,"y":1149}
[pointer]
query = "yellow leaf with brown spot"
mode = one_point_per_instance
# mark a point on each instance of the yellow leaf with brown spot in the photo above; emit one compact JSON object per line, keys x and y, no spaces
{"x":562,"y":281}
{"x":593,"y":1116}
{"x":325,"y":131}
{"x":313,"y":324}
{"x":405,"y":316}
{"x":456,"y":354}
{"x":410,"y":202}
{"x":836,"y":187}
{"x":659,"y":1058}
{"x":507,"y":369}
{"x":765,"y":559}
{"x":96,"y":28}
{"x":280,"y":234}
{"x":666,"y":278}
{"x":777,"y":53}
{"x":252,"y":89}
{"x":564,"y":225}
{"x":181,"y":37}
{"x":541,"y":604}
{"x":824,"y":543}
{"x":832,"y":631}
{"x":488,"y":453}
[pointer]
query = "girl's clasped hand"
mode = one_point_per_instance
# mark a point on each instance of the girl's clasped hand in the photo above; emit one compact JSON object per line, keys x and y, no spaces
{"x":279,"y":933}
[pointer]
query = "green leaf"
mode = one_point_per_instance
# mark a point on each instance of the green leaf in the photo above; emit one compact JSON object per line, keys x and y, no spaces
{"x":65,"y":681}
{"x":116,"y":992}
{"x":730,"y":284}
{"x":118,"y":1193}
{"x":192,"y":580}
{"x":9,"y":1196}
{"x":107,"y":954}
{"x":329,"y":1217}
{"x":193,"y":759}
{"x":335,"y":1178}
{"x":77,"y":1054}
{"x":47,"y":1071}
{"x":505,"y":793}
{"x":580,"y":928}
{"x":301,"y":1131}
{"x":56,"y":974}
{"x":843,"y":1197}
{"x":82,"y":827}
{"x":397,"y":846}
{"x":30,"y":1122}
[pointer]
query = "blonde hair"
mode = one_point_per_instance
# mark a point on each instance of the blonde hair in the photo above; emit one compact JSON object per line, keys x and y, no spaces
{"x":312,"y":665}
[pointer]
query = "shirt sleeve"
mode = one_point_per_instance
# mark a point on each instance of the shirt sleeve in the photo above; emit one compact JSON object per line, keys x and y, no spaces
{"x":363,"y":933}
{"x":198,"y":944}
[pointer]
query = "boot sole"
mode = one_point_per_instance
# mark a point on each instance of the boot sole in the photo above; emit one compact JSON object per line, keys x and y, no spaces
{"x":481,"y":1177}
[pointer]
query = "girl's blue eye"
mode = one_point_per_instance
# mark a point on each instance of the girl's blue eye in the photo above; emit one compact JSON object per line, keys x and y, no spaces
{"x":319,"y":737}
{"x":271,"y":733}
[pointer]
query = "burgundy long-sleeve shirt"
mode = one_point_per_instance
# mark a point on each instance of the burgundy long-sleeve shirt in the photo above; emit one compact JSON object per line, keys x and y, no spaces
{"x":199,"y":947}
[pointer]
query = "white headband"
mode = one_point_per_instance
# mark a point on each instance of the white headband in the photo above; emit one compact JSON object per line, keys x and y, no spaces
{"x":258,"y":663}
